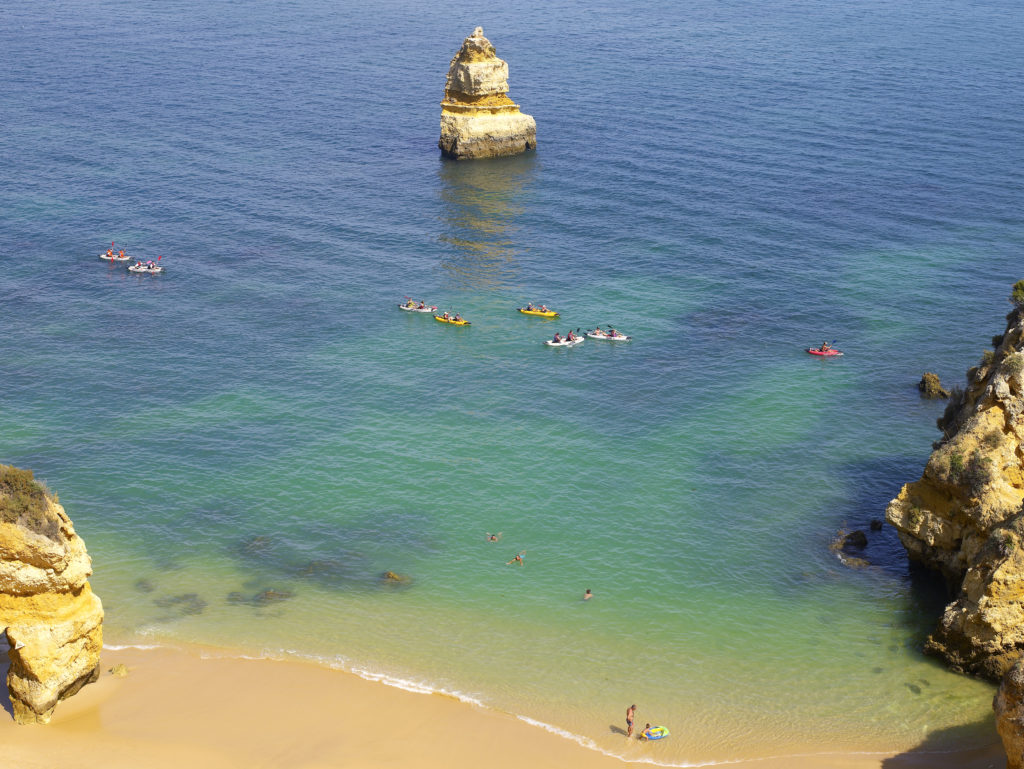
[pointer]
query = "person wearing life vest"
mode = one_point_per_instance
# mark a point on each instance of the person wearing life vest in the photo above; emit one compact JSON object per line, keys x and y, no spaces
{"x":110,"y":253}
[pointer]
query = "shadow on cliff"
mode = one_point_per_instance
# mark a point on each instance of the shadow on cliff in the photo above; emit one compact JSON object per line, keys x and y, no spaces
{"x":5,"y":664}
{"x":946,"y":747}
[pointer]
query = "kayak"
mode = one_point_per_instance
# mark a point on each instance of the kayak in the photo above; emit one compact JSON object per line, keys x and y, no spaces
{"x":144,"y":268}
{"x":655,"y":732}
{"x":563,"y":343}
{"x":428,"y":308}
{"x":116,"y":258}
{"x":825,"y":353}
{"x":452,"y":321}
{"x":548,"y":314}
{"x":609,"y":337}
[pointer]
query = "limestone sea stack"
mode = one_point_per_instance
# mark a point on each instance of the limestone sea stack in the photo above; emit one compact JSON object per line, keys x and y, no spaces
{"x":478,"y":119}
{"x":964,"y":518}
{"x":53,"y":620}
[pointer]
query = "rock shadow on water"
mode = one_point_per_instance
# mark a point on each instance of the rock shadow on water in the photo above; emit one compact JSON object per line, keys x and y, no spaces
{"x":969,"y":746}
{"x":481,"y":202}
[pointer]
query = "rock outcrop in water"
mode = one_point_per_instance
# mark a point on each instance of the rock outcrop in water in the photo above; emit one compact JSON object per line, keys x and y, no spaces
{"x":478,"y":119}
{"x":964,"y":517}
{"x":52,"y":618}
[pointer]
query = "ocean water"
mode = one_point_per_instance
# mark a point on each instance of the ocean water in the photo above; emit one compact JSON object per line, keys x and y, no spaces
{"x":729,"y":183}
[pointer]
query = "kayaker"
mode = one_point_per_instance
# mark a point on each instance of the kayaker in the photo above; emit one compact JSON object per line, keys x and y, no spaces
{"x":422,"y":305}
{"x":544,"y":308}
{"x":557,"y":338}
{"x":825,"y":347}
{"x":612,"y":332}
{"x":597,"y":331}
{"x":446,"y":316}
{"x":120,"y":254}
{"x":110,"y":253}
{"x":529,"y":306}
{"x":570,"y":337}
{"x":458,"y":317}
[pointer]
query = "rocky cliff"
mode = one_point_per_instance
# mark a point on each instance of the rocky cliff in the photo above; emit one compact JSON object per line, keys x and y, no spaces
{"x":52,"y":618}
{"x":478,"y":119}
{"x":964,"y":517}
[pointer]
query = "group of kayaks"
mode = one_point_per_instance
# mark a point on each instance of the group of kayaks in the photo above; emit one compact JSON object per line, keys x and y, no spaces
{"x":148,"y":266}
{"x":571,"y":339}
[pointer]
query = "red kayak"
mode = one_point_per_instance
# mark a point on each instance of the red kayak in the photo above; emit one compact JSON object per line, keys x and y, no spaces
{"x":825,"y":353}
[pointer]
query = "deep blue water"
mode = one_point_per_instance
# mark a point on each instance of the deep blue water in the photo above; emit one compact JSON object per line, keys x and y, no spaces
{"x":727,"y":182}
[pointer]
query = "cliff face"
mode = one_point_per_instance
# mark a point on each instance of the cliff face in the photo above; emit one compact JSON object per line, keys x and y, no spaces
{"x":964,"y":517}
{"x":52,"y":618}
{"x":478,"y":119}
{"x":1009,"y":707}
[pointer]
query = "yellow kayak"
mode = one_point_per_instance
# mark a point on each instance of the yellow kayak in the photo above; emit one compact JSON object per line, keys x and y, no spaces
{"x":548,"y":314}
{"x":452,"y":321}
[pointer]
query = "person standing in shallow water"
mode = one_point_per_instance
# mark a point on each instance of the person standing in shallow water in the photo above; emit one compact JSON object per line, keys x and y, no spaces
{"x":630,"y":715}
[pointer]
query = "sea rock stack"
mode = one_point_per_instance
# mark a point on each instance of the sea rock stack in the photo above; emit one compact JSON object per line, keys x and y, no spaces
{"x":478,"y":119}
{"x":53,"y":620}
{"x":964,"y":517}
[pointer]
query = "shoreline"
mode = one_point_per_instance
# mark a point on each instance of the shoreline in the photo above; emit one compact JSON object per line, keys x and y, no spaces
{"x":199,"y":706}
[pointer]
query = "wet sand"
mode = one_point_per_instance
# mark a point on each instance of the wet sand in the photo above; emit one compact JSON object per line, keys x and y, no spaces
{"x":195,"y":708}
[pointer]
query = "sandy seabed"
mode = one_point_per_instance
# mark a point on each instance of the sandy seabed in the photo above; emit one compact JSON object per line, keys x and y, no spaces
{"x":197,"y":708}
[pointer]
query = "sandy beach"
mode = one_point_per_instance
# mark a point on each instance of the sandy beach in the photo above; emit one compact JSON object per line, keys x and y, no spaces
{"x":197,"y":708}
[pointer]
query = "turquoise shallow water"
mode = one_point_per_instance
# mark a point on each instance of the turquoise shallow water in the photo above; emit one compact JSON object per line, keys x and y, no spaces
{"x":728,"y":186}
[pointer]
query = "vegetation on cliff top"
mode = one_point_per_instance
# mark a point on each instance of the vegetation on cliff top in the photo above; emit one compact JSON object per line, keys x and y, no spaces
{"x":24,"y":501}
{"x":1017,"y":294}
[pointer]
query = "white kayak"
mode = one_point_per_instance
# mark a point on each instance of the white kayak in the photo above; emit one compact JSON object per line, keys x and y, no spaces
{"x":116,"y":258}
{"x":145,"y":268}
{"x":609,"y":337}
{"x":564,"y":342}
{"x":428,"y":308}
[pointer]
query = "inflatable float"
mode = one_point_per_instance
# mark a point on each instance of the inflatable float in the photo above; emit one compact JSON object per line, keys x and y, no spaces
{"x":427,"y":308}
{"x":539,"y":313}
{"x":452,"y":321}
{"x":830,"y":353}
{"x":655,"y":733}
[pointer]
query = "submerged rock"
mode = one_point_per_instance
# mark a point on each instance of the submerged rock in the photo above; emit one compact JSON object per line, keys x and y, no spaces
{"x":931,"y":387}
{"x":119,"y":671}
{"x":52,"y":618}
{"x":478,"y":119}
{"x":394,"y":578}
{"x":185,"y":603}
{"x":964,"y":519}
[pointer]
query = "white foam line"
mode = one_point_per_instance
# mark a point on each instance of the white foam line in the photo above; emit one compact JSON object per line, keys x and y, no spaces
{"x":121,"y":647}
{"x":588,"y":743}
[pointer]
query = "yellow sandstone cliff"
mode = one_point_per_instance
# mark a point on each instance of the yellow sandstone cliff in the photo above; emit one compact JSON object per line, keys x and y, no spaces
{"x":478,"y":119}
{"x":53,"y":620}
{"x":964,"y":516}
